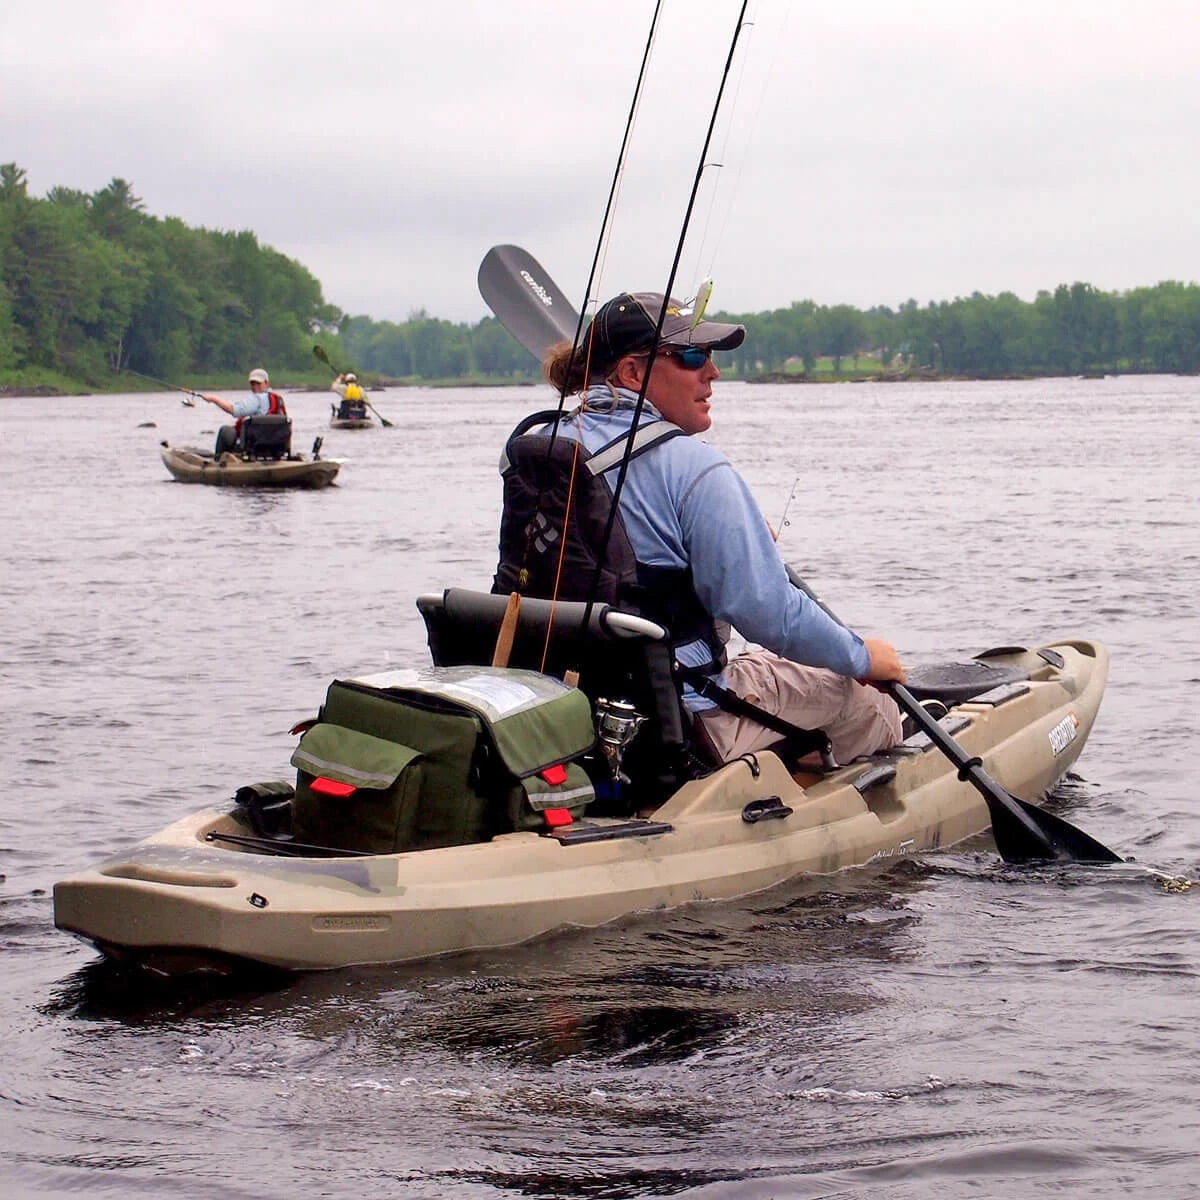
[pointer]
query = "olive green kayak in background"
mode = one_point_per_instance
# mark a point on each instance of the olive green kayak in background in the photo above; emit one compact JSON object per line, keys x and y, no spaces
{"x":190,"y":465}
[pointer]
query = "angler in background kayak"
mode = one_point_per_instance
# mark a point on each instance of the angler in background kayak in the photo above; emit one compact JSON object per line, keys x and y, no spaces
{"x":704,"y":552}
{"x":353,"y":406}
{"x":261,"y":402}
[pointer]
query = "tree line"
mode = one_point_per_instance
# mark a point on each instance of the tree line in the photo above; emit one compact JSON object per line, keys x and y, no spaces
{"x":1073,"y":330}
{"x":1070,"y":331}
{"x":91,"y":284}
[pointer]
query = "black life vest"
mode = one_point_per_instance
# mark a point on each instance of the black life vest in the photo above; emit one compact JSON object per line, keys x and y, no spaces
{"x":537,"y":470}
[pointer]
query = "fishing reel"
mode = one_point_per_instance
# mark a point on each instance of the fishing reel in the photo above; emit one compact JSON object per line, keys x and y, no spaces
{"x":617,"y":723}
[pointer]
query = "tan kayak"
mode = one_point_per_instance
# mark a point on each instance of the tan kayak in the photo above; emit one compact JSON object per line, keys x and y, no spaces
{"x":215,"y":886}
{"x":190,"y":465}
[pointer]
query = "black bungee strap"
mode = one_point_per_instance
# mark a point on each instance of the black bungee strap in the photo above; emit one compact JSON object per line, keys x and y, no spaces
{"x":800,"y":741}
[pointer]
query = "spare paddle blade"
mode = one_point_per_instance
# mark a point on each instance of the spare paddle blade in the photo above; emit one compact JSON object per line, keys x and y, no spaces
{"x":525,"y":300}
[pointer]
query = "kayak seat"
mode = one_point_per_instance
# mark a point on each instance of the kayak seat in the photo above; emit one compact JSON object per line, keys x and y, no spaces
{"x":954,"y":682}
{"x":618,"y":656}
{"x":268,"y":436}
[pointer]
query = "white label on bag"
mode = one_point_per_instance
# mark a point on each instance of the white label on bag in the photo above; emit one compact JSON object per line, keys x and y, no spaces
{"x":495,"y":693}
{"x":504,"y":696}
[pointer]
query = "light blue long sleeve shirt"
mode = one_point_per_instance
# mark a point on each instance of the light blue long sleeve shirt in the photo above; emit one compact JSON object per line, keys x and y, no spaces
{"x":684,"y":505}
{"x":257,"y":404}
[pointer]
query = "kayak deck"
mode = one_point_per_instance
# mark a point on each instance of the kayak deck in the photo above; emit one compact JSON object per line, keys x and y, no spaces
{"x":207,"y":886}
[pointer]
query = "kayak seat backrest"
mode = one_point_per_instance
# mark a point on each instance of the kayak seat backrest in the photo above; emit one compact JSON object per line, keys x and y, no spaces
{"x":268,"y":436}
{"x":618,"y":657}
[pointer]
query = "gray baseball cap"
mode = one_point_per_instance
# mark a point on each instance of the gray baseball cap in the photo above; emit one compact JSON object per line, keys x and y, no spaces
{"x":626,"y":324}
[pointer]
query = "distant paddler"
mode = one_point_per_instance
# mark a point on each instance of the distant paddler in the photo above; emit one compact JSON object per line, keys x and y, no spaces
{"x":353,"y":406}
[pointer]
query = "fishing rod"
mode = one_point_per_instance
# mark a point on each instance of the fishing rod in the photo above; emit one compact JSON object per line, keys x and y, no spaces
{"x":503,"y":264}
{"x":783,"y":518}
{"x":640,"y":404}
{"x":319,"y":351}
{"x":618,"y":173}
{"x":187,"y":403}
{"x":496,"y":271}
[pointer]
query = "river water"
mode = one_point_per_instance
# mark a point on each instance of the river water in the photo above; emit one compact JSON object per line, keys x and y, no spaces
{"x":945,"y":1026}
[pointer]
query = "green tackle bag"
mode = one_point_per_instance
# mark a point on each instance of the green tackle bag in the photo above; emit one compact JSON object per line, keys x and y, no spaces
{"x":445,"y":756}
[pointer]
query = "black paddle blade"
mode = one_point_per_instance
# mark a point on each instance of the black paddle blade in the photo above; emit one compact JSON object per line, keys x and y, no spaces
{"x":1063,"y":842}
{"x":1023,"y":832}
{"x":382,"y":419}
{"x":525,"y":300}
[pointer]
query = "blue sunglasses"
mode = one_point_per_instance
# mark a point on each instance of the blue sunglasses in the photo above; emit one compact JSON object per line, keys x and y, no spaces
{"x":690,"y":358}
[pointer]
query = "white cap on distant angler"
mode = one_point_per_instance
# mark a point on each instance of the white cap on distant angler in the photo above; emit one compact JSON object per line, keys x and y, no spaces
{"x":351,"y":377}
{"x":258,"y":375}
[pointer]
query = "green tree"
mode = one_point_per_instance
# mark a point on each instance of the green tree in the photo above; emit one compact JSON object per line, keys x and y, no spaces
{"x":842,"y":331}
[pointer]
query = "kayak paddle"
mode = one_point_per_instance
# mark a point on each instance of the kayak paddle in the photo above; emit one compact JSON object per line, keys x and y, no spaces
{"x":319,"y":351}
{"x":525,"y":300}
{"x":1023,"y":832}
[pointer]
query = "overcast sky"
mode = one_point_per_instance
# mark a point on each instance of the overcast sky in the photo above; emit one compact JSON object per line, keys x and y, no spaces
{"x":871,"y":150}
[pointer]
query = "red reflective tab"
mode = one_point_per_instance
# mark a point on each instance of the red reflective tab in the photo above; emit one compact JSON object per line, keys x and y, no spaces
{"x":554,"y":775}
{"x":331,"y":787}
{"x":557,"y":816}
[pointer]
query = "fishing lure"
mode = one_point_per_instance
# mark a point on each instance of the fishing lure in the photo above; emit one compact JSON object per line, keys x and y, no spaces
{"x":699,"y":302}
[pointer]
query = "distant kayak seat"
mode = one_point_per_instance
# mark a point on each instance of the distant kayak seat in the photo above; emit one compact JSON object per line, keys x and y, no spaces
{"x":619,"y":657}
{"x":267,"y":437}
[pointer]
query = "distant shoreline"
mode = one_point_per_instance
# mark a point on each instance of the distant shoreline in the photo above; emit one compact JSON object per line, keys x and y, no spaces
{"x":49,"y":391}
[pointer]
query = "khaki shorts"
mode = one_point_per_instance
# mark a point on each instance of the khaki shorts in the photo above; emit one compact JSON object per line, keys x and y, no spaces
{"x":856,"y":718}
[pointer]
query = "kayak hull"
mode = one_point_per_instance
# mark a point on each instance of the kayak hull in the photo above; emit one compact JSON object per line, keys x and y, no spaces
{"x":178,"y":898}
{"x":195,"y":466}
{"x":351,"y":423}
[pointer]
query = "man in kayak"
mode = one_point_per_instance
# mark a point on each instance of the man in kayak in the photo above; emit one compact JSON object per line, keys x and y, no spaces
{"x":353,"y":402}
{"x":260,"y":402}
{"x":704,"y":552}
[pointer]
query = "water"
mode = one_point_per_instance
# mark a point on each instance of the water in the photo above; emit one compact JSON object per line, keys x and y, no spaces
{"x":946,"y":1026}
